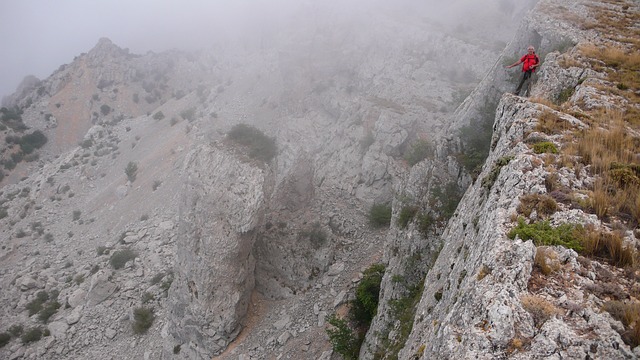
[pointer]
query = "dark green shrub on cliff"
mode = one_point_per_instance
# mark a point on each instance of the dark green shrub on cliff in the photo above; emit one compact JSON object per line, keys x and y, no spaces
{"x":260,"y":146}
{"x":365,"y":305}
{"x":380,"y":215}
{"x":419,"y":151}
{"x":476,"y":138}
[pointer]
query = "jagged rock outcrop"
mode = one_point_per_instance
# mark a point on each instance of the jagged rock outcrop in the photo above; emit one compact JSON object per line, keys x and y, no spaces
{"x":222,"y":203}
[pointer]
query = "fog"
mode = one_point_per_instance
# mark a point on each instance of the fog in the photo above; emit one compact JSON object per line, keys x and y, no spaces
{"x":37,"y":36}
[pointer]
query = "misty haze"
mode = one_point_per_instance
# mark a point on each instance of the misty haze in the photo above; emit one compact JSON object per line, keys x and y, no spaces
{"x":333,"y":180}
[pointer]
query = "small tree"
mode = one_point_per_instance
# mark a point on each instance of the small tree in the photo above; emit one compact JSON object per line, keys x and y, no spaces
{"x":343,"y":339}
{"x":131,"y":171}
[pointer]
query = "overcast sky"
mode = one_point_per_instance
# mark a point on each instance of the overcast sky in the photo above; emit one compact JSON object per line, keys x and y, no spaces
{"x":37,"y":36}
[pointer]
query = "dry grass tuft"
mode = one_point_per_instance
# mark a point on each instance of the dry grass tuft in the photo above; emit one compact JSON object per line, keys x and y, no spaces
{"x":608,"y":246}
{"x":629,"y":315}
{"x":546,"y":260}
{"x":540,"y":309}
{"x":550,"y":123}
{"x":543,"y":204}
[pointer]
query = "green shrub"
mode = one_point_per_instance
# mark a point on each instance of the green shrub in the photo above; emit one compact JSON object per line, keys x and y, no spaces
{"x":35,"y":305}
{"x":119,"y":258}
{"x":142,"y":319}
{"x":105,"y":109}
{"x":344,"y":340}
{"x":32,"y":141}
{"x":446,"y":201}
{"x":76,"y":215}
{"x":16,"y":330}
{"x":33,"y":334}
{"x":4,"y":339}
{"x":158,"y":116}
{"x":564,"y":95}
{"x":131,"y":171}
{"x":48,"y":311}
{"x":545,"y":147}
{"x":380,"y":215}
{"x":365,"y":305}
{"x":425,"y":223}
{"x":261,"y":147}
{"x":406,"y":215}
{"x":176,"y":349}
{"x":542,"y":233}
{"x":420,"y":150}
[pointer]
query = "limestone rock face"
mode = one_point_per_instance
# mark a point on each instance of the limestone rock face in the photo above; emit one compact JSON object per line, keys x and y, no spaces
{"x":221,"y":204}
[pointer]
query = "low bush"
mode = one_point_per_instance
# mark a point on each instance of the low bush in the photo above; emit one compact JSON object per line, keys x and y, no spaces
{"x":49,"y":310}
{"x":365,"y":304}
{"x":542,"y":233}
{"x":420,"y":150}
{"x":545,"y":147}
{"x":158,"y":116}
{"x":4,"y":339}
{"x":119,"y":258}
{"x":406,"y":215}
{"x":31,"y":335}
{"x":344,"y":340}
{"x":142,"y":319}
{"x":261,"y":147}
{"x":380,"y":215}
{"x":131,"y":171}
{"x":629,"y":315}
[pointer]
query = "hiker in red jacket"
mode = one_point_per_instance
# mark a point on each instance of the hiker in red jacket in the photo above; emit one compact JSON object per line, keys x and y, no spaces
{"x":529,"y":62}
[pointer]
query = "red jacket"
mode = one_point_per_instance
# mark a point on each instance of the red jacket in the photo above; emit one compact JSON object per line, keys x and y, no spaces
{"x":528,"y":61}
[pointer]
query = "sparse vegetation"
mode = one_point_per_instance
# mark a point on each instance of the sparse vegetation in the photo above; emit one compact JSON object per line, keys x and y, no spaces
{"x":260,"y":146}
{"x":490,"y":179}
{"x":476,"y":138}
{"x":344,"y":340}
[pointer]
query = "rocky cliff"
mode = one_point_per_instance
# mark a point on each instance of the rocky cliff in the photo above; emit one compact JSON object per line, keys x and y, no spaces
{"x":489,"y":293}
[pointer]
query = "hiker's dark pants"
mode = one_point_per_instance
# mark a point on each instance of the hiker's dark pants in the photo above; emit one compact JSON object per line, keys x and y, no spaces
{"x":525,"y":76}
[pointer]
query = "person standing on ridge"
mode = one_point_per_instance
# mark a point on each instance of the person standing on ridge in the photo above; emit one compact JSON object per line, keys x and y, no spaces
{"x":529,"y":62}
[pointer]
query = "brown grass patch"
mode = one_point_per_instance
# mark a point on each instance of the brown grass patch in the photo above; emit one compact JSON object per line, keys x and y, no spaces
{"x":550,"y":123}
{"x":629,"y":315}
{"x":608,"y":246}
{"x":546,"y":260}
{"x":543,"y":204}
{"x":540,"y":309}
